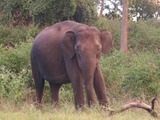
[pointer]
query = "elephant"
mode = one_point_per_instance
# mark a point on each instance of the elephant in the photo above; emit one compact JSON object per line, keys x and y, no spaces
{"x":69,"y":52}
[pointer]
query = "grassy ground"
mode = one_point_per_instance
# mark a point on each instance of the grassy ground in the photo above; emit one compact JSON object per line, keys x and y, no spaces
{"x":66,"y":112}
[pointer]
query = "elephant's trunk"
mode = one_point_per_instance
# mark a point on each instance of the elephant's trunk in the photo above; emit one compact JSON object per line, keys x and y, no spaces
{"x":88,"y":67}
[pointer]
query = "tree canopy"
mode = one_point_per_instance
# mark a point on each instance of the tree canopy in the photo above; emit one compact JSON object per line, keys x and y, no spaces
{"x":139,"y":9}
{"x":44,"y":12}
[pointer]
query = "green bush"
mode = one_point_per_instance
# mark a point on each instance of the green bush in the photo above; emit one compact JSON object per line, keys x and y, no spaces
{"x":44,"y":13}
{"x":11,"y":36}
{"x":51,"y":11}
{"x":86,"y":12}
{"x":113,"y":27}
{"x":114,"y":68}
{"x":13,"y":85}
{"x":143,"y":75}
{"x":133,"y":75}
{"x":142,"y":35}
{"x":15,"y":12}
{"x":16,"y":59}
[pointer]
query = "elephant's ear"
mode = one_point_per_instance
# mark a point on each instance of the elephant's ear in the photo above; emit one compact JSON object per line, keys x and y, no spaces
{"x":106,"y":40}
{"x":68,"y":43}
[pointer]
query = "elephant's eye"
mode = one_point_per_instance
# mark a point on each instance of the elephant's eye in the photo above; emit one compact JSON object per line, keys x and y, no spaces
{"x":77,"y":48}
{"x":98,"y":51}
{"x":98,"y":48}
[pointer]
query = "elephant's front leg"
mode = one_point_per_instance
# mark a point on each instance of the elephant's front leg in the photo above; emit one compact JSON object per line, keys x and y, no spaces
{"x":75,"y":77}
{"x":55,"y":93}
{"x":90,"y":93}
{"x":100,"y":88}
{"x":77,"y":84}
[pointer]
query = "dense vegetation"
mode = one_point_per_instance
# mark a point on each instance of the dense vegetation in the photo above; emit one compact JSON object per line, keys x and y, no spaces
{"x":42,"y":12}
{"x":127,"y":77}
{"x":133,"y":75}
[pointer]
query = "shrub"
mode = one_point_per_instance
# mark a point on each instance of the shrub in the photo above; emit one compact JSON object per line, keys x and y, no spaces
{"x":13,"y":85}
{"x":86,"y":12}
{"x":16,"y":59}
{"x":142,"y":35}
{"x":137,"y":74}
{"x":143,"y":75}
{"x":11,"y":36}
{"x":44,"y":13}
{"x":114,"y":68}
{"x":47,"y":13}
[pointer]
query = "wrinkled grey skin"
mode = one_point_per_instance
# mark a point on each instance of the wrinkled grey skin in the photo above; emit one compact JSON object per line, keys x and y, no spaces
{"x":69,"y":52}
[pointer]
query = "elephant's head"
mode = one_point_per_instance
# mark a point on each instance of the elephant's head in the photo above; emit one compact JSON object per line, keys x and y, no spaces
{"x":86,"y":45}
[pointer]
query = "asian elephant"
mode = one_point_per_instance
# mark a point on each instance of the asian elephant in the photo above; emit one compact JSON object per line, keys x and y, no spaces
{"x":69,"y":52}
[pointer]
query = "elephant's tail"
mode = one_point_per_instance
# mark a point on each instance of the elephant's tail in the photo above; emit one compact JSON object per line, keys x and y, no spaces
{"x":35,"y":69}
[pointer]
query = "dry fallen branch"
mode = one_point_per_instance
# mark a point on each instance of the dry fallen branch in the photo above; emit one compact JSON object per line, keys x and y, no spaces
{"x":137,"y":104}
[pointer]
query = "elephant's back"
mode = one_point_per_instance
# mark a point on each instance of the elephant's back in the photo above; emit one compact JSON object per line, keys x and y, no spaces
{"x":50,"y":38}
{"x":55,"y":32}
{"x":48,"y":52}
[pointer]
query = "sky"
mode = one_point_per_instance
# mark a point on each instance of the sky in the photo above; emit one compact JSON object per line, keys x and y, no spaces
{"x":109,"y":4}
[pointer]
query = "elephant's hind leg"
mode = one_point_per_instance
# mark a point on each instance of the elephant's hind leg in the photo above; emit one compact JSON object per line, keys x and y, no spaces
{"x":39,"y":84}
{"x":55,"y":93}
{"x":38,"y":79}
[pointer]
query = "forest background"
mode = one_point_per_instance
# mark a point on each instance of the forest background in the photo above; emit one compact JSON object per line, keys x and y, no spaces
{"x":135,"y":75}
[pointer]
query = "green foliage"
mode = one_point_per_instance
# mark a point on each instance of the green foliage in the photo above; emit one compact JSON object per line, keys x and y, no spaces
{"x":137,"y":74}
{"x":138,"y":9}
{"x":13,"y":85}
{"x":15,"y":12}
{"x":86,"y":11}
{"x":15,"y":72}
{"x":113,"y":26}
{"x":113,"y":68}
{"x":143,"y":9}
{"x":51,"y":11}
{"x":143,"y":75}
{"x":16,"y":59}
{"x":142,"y":35}
{"x":15,"y":47}
{"x":12,"y":36}
{"x":44,"y":13}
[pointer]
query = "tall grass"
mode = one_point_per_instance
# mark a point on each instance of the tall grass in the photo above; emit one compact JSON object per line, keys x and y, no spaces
{"x":67,"y":112}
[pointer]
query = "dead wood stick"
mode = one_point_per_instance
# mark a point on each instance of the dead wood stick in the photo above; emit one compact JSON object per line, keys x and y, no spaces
{"x":136,"y":104}
{"x":153,"y":102}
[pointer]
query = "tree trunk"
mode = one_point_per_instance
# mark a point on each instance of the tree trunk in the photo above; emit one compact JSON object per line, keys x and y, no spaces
{"x":102,"y":8}
{"x":124,"y":26}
